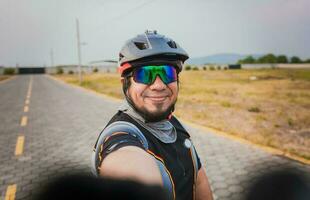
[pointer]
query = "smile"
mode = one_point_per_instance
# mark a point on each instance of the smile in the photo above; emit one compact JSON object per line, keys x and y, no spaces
{"x":157,"y":99}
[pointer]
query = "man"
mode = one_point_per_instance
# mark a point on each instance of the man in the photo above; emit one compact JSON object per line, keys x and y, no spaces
{"x":144,"y":141}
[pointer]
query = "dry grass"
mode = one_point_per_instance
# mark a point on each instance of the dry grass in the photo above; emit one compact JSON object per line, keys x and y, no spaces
{"x":107,"y":83}
{"x":3,"y":77}
{"x":273,"y":110}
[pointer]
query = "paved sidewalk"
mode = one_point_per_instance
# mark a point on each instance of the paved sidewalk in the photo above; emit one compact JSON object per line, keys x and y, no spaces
{"x":63,"y":124}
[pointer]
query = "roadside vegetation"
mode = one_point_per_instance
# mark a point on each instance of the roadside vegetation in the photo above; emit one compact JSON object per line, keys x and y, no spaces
{"x":266,"y":106}
{"x":3,"y":77}
{"x":271,"y":58}
{"x":7,"y":73}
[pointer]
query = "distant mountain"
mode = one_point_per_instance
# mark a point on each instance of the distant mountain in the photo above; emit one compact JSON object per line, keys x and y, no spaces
{"x":224,"y":58}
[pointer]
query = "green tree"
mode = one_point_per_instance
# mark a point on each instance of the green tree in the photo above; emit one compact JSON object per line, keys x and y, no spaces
{"x":95,"y":70}
{"x":307,"y":61}
{"x":188,"y":67}
{"x":269,"y":58}
{"x":9,"y":71}
{"x":195,"y":68}
{"x":247,"y":60}
{"x":295,"y":59}
{"x":59,"y":70}
{"x":282,"y":59}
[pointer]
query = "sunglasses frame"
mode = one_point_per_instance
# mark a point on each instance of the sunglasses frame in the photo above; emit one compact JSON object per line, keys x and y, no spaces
{"x":131,"y":73}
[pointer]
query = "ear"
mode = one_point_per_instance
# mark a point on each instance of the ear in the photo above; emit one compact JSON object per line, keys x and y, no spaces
{"x":122,"y":80}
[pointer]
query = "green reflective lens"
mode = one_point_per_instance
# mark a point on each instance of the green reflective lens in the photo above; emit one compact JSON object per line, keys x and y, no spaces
{"x":148,"y":74}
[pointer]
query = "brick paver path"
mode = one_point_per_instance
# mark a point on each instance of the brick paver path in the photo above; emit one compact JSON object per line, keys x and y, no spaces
{"x":63,"y":124}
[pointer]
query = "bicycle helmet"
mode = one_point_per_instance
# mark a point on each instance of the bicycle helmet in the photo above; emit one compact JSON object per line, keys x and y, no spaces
{"x":150,"y":48}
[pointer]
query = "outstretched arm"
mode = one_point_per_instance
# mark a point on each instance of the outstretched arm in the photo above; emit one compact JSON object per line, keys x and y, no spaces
{"x":203,"y":189}
{"x":131,"y":163}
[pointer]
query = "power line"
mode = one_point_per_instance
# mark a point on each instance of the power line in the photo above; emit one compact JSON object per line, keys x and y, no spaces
{"x":131,"y":10}
{"x":125,"y":14}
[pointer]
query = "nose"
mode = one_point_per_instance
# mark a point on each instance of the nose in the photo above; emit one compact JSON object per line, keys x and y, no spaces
{"x":158,"y":84}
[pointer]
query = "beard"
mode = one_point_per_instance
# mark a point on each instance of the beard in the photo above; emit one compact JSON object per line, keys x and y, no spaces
{"x":156,"y":116}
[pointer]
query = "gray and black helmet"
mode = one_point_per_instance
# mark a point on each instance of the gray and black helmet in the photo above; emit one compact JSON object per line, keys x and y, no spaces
{"x":150,"y":47}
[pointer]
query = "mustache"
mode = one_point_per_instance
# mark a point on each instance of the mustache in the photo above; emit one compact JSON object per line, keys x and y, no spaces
{"x":157,"y":94}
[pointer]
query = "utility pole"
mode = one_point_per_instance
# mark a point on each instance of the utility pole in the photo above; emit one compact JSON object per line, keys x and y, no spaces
{"x":79,"y":50}
{"x":52,"y":58}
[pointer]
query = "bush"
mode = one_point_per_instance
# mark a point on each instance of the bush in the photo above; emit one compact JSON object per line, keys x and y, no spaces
{"x":59,"y":70}
{"x":225,"y":68}
{"x":195,"y":68}
{"x":211,"y":68}
{"x":204,"y":68}
{"x":70,"y":72}
{"x":226,"y":104}
{"x":254,"y":109}
{"x":290,"y":122}
{"x":95,"y":70}
{"x":188,"y":67}
{"x":9,"y":71}
{"x":219,"y":67}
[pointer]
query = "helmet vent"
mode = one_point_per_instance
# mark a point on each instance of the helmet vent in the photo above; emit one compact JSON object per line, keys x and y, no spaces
{"x":141,"y":45}
{"x":172,"y":44}
{"x":121,"y":56}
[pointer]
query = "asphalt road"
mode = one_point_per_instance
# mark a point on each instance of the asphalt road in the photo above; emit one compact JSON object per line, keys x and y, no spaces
{"x":56,"y":133}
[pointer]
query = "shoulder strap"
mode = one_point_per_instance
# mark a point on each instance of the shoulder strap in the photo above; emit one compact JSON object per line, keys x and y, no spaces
{"x":118,"y":126}
{"x":123,"y":126}
{"x":192,"y":148}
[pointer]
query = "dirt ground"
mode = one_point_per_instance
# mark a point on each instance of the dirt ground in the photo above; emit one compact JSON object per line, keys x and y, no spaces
{"x":3,"y":77}
{"x":267,"y":106}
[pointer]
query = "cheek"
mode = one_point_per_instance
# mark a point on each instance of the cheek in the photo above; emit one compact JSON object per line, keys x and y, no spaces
{"x":174,"y":89}
{"x":136,"y":93}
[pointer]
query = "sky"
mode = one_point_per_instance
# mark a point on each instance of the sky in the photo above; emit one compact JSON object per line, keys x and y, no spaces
{"x":31,"y":29}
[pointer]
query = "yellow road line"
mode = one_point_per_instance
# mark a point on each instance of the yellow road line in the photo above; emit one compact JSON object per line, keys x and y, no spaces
{"x":29,"y":93}
{"x":19,"y":145}
{"x":24,"y":121}
{"x":10,"y":192}
{"x":29,"y":88}
{"x":27,"y":101}
{"x":26,"y":108}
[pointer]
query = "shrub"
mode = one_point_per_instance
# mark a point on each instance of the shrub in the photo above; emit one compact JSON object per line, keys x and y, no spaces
{"x":9,"y":71}
{"x":188,"y":67}
{"x":70,"y":72}
{"x":225,"y":68}
{"x":204,"y":68}
{"x":211,"y":68}
{"x":219,"y":67}
{"x":226,"y":104}
{"x":254,"y":109}
{"x":195,"y":68}
{"x":290,"y":122}
{"x":59,"y":70}
{"x":95,"y":70}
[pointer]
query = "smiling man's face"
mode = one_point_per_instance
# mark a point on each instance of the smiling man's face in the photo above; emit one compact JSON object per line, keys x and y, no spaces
{"x":154,"y":101}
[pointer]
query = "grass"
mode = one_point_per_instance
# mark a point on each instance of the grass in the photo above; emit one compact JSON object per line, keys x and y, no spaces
{"x":273,"y":110}
{"x":3,"y":77}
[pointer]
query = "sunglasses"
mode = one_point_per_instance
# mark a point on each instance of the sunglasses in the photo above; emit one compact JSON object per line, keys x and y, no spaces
{"x":148,"y":74}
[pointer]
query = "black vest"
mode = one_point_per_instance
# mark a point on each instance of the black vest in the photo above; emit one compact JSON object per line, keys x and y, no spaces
{"x":176,"y":156}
